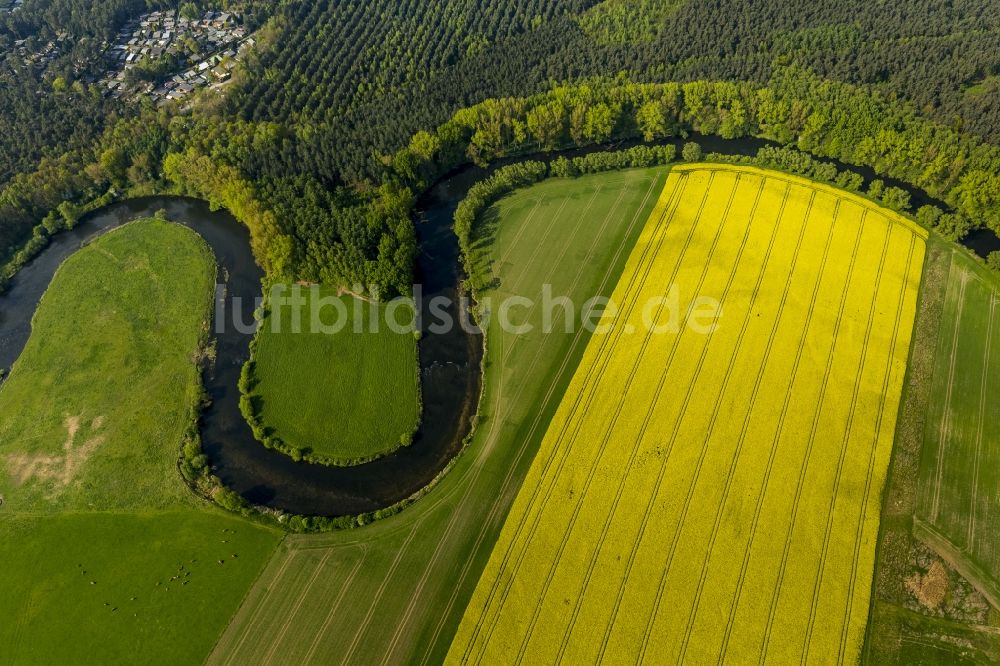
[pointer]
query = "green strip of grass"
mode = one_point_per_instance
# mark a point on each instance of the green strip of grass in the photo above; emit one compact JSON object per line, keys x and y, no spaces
{"x":340,"y":397}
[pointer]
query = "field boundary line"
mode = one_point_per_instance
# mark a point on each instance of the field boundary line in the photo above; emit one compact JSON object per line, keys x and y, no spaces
{"x":944,"y":429}
{"x":859,"y":534}
{"x":563,"y":443}
{"x":276,"y":640}
{"x":643,"y":264}
{"x":745,"y":428}
{"x":504,"y":354}
{"x":363,"y":628}
{"x":779,"y":431}
{"x":258,"y":609}
{"x":684,"y":410}
{"x":980,"y":426}
{"x":848,"y":432}
{"x":817,"y":415}
{"x":282,"y":543}
{"x":609,"y":430}
{"x":336,"y":605}
{"x":545,"y":401}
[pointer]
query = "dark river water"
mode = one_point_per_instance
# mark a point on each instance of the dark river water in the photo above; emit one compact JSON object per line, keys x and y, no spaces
{"x":449,"y":362}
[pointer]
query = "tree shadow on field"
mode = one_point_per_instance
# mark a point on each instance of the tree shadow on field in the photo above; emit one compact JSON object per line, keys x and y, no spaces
{"x":484,"y":238}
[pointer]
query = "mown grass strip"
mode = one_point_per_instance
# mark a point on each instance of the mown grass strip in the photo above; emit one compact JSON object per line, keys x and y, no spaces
{"x":647,"y":253}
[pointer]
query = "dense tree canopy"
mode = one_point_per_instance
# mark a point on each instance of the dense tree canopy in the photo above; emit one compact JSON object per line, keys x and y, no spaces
{"x":363,"y":87}
{"x":347,"y":108}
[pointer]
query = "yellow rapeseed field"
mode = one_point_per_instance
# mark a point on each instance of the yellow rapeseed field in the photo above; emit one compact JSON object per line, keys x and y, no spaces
{"x":714,"y":494}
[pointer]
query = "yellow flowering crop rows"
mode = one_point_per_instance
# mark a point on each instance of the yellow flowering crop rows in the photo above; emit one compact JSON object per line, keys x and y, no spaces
{"x":714,"y":492}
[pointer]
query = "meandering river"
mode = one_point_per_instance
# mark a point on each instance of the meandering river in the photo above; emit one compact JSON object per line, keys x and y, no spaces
{"x":449,"y":362}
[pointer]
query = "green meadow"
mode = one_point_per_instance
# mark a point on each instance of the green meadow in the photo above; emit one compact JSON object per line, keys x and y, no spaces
{"x":105,"y":552}
{"x":959,"y":486}
{"x":342,"y":392}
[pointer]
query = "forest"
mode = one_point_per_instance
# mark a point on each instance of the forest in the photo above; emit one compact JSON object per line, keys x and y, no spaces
{"x":347,"y":109}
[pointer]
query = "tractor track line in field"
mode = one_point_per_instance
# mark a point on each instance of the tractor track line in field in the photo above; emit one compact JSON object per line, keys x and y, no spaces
{"x":564,"y":441}
{"x":637,"y":541}
{"x":588,"y":388}
{"x":297,"y":606}
{"x":703,"y":453}
{"x":777,"y":435}
{"x":441,"y":542}
{"x":871,"y":459}
{"x":255,"y":613}
{"x":562,"y":254}
{"x":545,"y":236}
{"x":520,"y":230}
{"x":634,"y":452}
{"x":846,"y":442}
{"x":331,"y":614}
{"x":944,"y":431}
{"x":535,"y":424}
{"x":835,"y":338}
{"x":643,"y":264}
{"x":360,"y":631}
{"x":980,"y":426}
{"x":925,"y":490}
{"x":526,"y":223}
{"x":745,"y":428}
{"x":652,"y":408}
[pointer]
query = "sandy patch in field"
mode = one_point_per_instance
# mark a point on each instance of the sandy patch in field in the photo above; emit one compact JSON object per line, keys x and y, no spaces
{"x":931,"y":588}
{"x":59,"y":470}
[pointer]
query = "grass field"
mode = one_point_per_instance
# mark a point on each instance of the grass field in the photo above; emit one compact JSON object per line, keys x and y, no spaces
{"x":700,"y":497}
{"x":395,"y":591}
{"x":93,"y":412}
{"x":94,"y":508}
{"x":159,"y":593}
{"x":959,"y":481}
{"x":342,"y":396}
{"x":946,"y":623}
